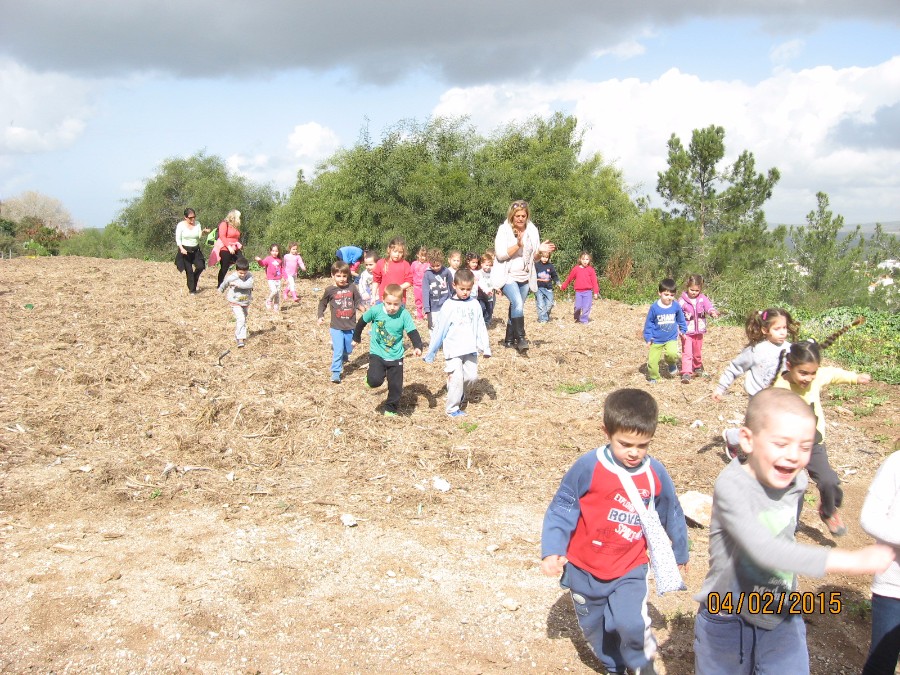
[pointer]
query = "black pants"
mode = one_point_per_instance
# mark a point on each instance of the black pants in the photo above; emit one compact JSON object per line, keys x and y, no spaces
{"x":830,"y":494}
{"x":193,"y":266}
{"x":379,"y":369}
{"x":487,"y":309}
{"x":226,"y":260}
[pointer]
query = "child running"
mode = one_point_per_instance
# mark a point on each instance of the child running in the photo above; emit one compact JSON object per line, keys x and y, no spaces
{"x":547,"y":279}
{"x":806,"y":378}
{"x":239,"y":285}
{"x":418,"y":268}
{"x":343,"y":298}
{"x":274,"y":267}
{"x":292,"y":262}
{"x":390,"y":320}
{"x":664,"y":320}
{"x":393,"y":269}
{"x":437,"y":286}
{"x":767,"y":332}
{"x":696,"y":307}
{"x":366,"y":282}
{"x":461,"y":330}
{"x":749,"y":619}
{"x":880,"y":518}
{"x":593,"y":536}
{"x":586,"y":288}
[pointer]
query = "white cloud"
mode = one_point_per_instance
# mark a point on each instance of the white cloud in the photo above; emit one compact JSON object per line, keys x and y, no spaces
{"x":784,"y":53}
{"x":312,"y":141}
{"x":623,"y":50}
{"x":786,"y":120}
{"x":40,"y":112}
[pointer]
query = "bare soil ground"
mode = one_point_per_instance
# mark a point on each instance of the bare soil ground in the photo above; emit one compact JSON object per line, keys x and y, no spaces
{"x":164,"y":508}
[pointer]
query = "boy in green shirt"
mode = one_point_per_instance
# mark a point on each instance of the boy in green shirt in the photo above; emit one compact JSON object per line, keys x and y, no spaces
{"x":390,"y":320}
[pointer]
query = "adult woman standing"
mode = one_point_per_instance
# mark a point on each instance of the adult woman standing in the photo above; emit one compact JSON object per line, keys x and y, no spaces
{"x":228,"y":243}
{"x":516,"y":246}
{"x":189,"y":258}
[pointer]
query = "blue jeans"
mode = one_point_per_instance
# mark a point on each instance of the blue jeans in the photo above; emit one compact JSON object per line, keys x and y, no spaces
{"x":341,"y":346}
{"x":516,"y":294}
{"x":885,"y":649}
{"x":725,"y":644}
{"x":613,"y":616}
{"x":544,"y":300}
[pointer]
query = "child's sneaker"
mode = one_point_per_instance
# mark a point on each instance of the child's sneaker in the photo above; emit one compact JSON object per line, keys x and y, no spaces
{"x":731,"y":450}
{"x":577,"y":314}
{"x":673,"y":369}
{"x":457,"y":413}
{"x":686,"y":378}
{"x":699,"y":372}
{"x":650,"y":380}
{"x":834,"y":523}
{"x":389,"y":413}
{"x":336,"y":378}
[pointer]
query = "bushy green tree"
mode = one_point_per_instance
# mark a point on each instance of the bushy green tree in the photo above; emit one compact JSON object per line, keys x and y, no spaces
{"x":440,"y":184}
{"x":829,"y":262}
{"x":201,"y":182}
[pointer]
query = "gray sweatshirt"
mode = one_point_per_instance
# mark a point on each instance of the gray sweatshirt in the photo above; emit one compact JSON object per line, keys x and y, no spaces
{"x":758,"y":362}
{"x":751,"y":544}
{"x":240,"y":291}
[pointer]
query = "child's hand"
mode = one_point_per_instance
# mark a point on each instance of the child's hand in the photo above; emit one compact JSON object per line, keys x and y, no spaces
{"x":683,"y":569}
{"x":716,"y":396}
{"x":596,"y":296}
{"x":553,"y":565}
{"x":864,"y":378}
{"x":714,"y":314}
{"x":320,"y":320}
{"x":417,"y":351}
{"x":356,"y":342}
{"x":873,"y":559}
{"x":649,"y":343}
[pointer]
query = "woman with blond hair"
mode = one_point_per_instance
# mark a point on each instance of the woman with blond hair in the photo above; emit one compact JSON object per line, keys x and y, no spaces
{"x":516,"y":247}
{"x":228,"y":244}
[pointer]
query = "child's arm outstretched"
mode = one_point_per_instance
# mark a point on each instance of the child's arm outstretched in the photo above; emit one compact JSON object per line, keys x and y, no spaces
{"x":563,"y":513}
{"x":738,"y":366}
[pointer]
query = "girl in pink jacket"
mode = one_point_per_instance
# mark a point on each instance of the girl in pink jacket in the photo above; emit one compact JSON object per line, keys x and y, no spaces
{"x":274,"y":266}
{"x":696,"y":307}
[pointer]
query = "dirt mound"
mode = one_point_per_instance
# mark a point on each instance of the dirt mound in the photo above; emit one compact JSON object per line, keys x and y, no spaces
{"x":169,"y":503}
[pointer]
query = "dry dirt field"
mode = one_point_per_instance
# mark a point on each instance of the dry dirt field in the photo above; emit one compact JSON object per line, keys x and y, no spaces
{"x":165,"y":508}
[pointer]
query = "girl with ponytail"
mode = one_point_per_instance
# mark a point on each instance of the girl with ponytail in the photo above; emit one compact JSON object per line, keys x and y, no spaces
{"x":806,"y":377}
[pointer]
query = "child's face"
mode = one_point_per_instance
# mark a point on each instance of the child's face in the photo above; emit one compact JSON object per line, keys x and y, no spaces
{"x":666,"y":298}
{"x":473,"y":264}
{"x":454,"y":261}
{"x":422,"y":257}
{"x":293,"y":250}
{"x":629,"y":447}
{"x":391,"y":304}
{"x":584,"y":260}
{"x":242,"y":274}
{"x":463,"y":290}
{"x":487,"y":267}
{"x":777,"y":332}
{"x":693,"y":291}
{"x":341,"y":279}
{"x":397,"y":254}
{"x":780,"y":449}
{"x":436,"y":266}
{"x":545,"y":258}
{"x":370,"y":264}
{"x":274,"y":251}
{"x":802,"y":374}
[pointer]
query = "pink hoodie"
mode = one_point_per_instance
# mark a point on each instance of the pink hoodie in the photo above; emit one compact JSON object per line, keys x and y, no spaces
{"x":695,"y":312}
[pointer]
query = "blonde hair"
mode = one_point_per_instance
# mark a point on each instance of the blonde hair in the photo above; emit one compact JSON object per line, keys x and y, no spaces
{"x":233,"y":218}
{"x":518,"y":205}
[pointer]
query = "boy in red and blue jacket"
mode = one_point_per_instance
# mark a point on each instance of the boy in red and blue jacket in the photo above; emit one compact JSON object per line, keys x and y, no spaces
{"x":593,"y":536}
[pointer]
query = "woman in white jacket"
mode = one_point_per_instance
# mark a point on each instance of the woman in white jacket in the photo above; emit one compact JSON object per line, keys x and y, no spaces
{"x":516,"y":247}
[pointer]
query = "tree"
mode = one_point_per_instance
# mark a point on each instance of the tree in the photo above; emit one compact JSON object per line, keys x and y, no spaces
{"x":714,"y":200}
{"x":828,"y":260}
{"x":203,"y":183}
{"x":42,"y":208}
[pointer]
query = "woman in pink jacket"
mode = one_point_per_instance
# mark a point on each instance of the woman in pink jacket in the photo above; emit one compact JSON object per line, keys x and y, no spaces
{"x":228,"y":243}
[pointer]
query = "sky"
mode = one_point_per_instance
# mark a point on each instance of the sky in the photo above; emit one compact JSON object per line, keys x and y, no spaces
{"x":95,"y":95}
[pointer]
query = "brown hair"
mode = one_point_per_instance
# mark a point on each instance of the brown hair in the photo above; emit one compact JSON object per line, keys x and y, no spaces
{"x":758,"y":324}
{"x":630,"y":410}
{"x":694,"y":280}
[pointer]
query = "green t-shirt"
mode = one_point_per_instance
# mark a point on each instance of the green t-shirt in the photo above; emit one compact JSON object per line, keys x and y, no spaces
{"x":387,"y":331}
